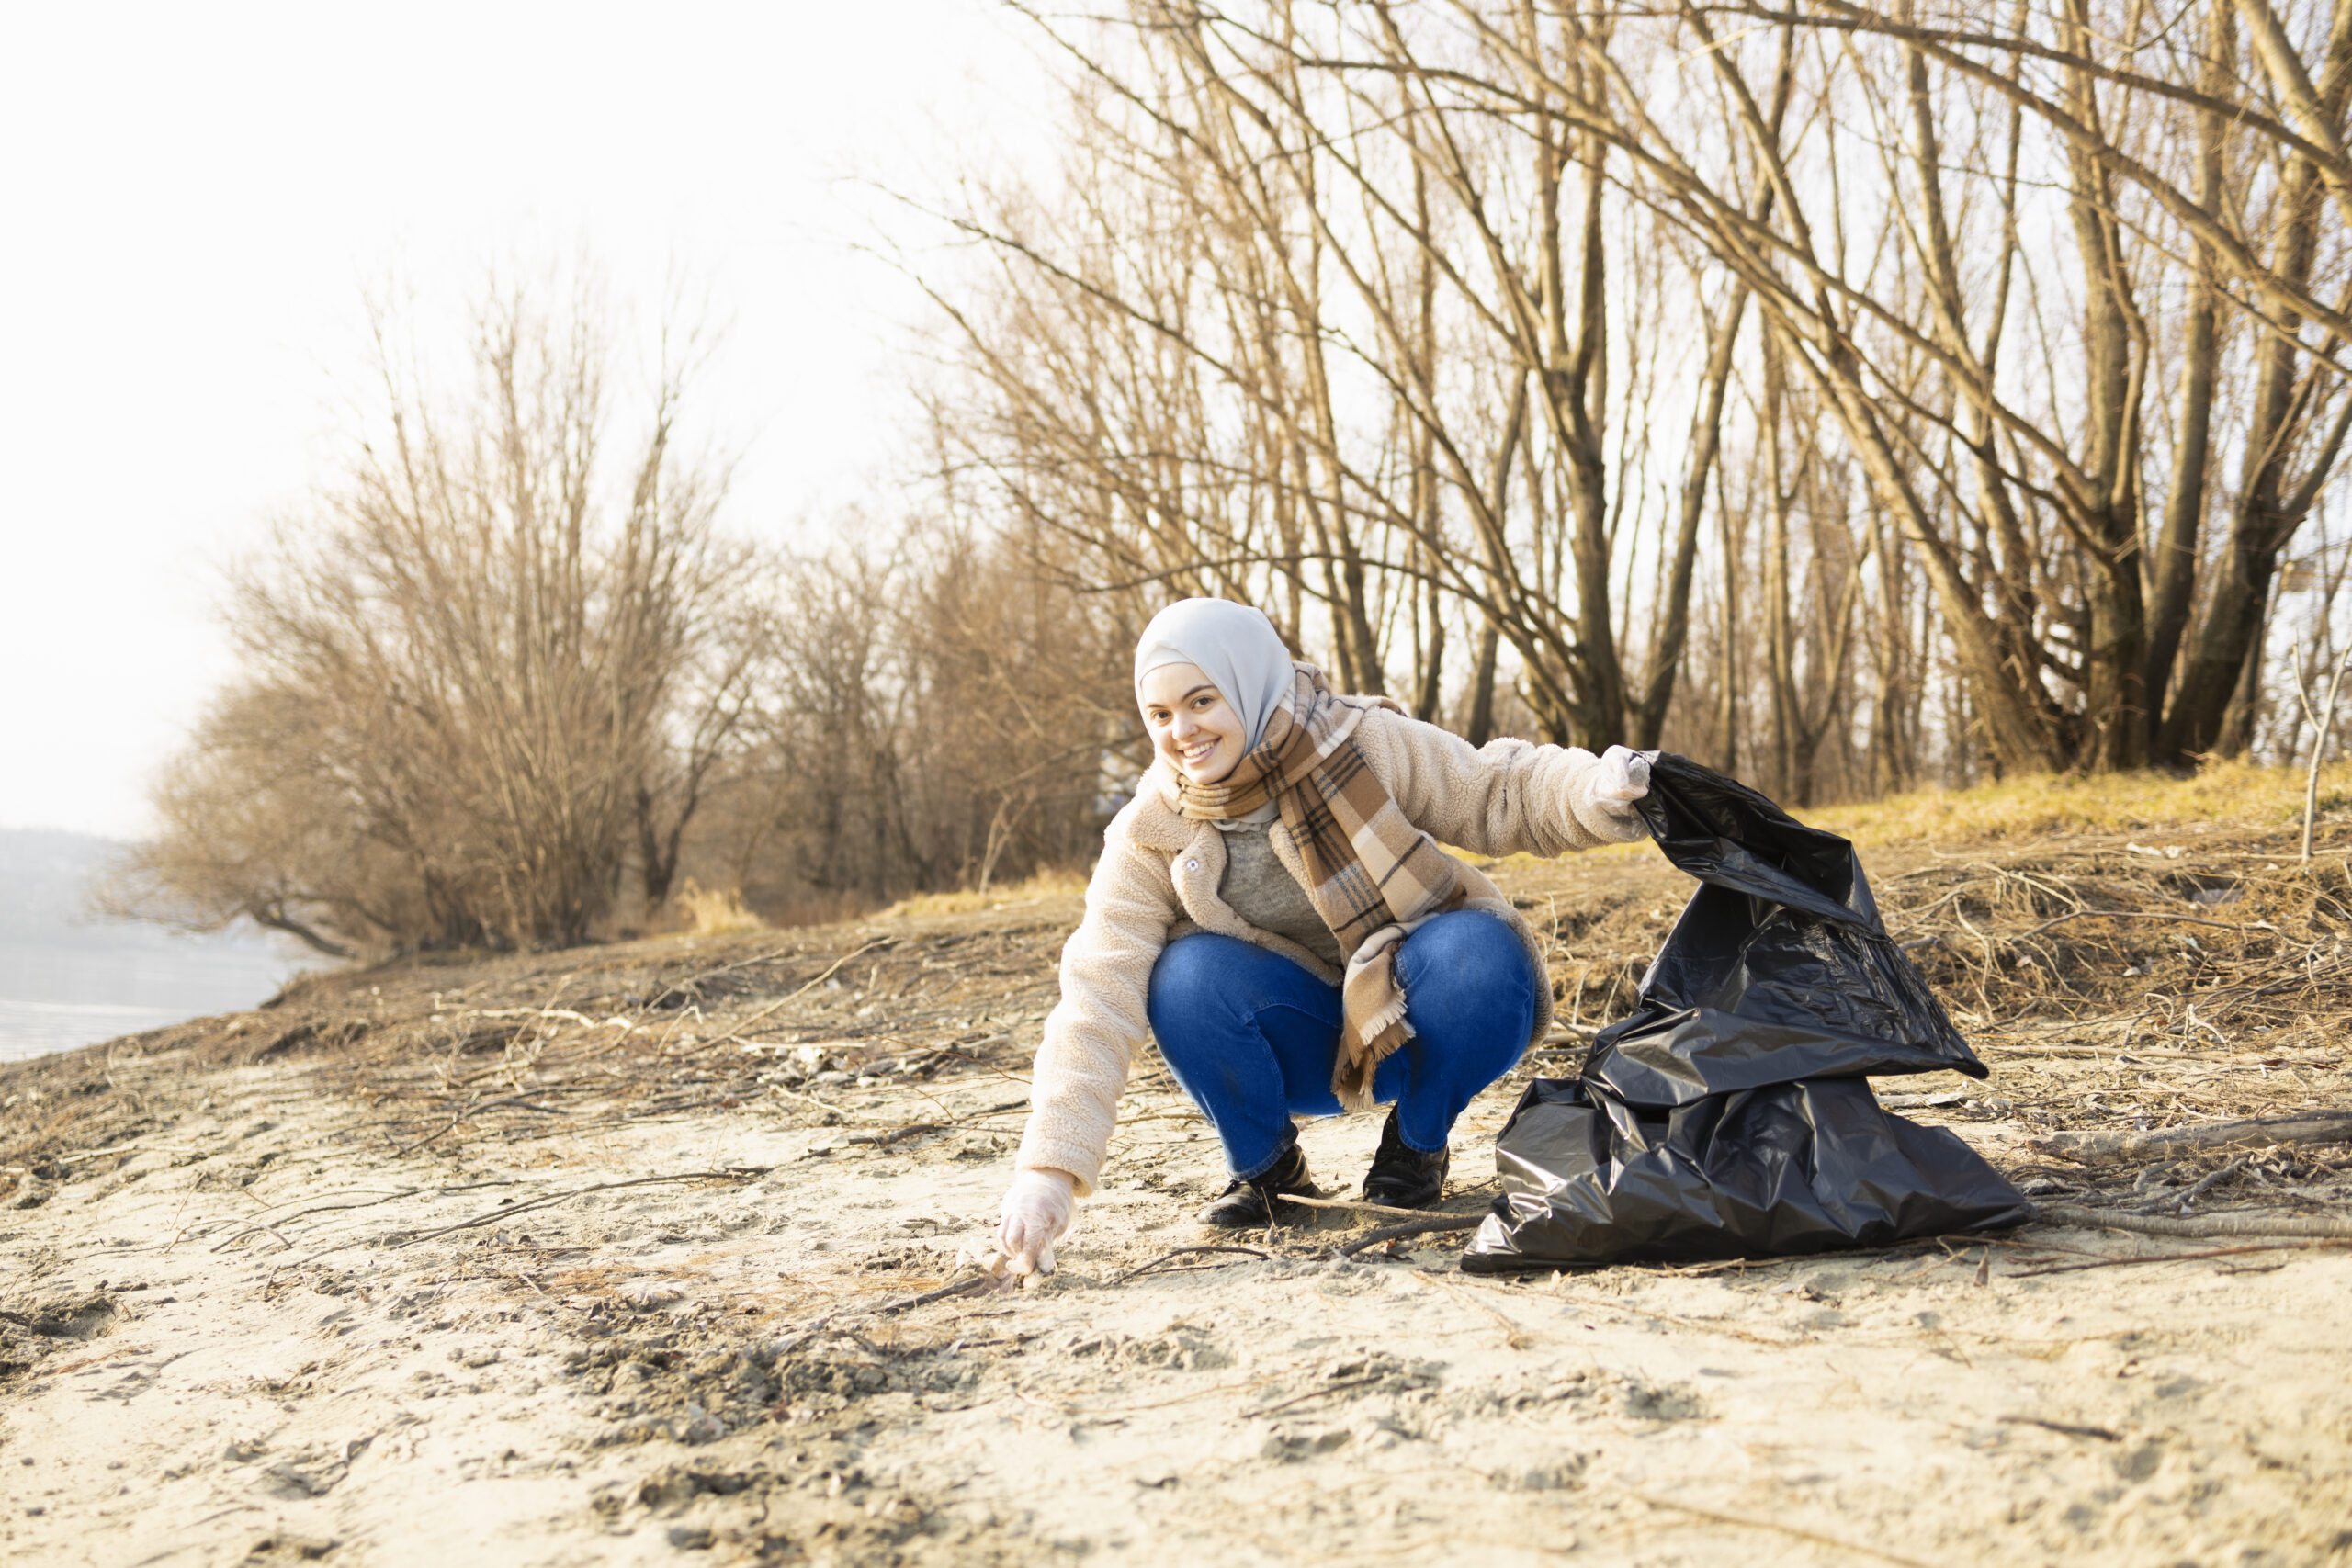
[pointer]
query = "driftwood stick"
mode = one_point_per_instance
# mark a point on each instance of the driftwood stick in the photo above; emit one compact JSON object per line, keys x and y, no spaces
{"x":736,"y":1033}
{"x":1352,"y":1204}
{"x":898,"y":1135}
{"x":471,"y":1111}
{"x":2064,"y":1428}
{"x":2322,"y":1227}
{"x":1419,"y":1227}
{"x":2168,"y":1257}
{"x":2299,"y":1127}
{"x":2212,"y":1178}
{"x":1137,"y":1273}
{"x":883,"y":1139}
{"x":971,"y":1284}
{"x":681,"y":987}
{"x":958,"y":1288}
{"x":738,"y":1174}
{"x":2322,"y":720}
{"x":1758,"y":1522}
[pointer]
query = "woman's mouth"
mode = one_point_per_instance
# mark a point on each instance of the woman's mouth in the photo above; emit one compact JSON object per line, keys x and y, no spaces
{"x":1192,"y":755}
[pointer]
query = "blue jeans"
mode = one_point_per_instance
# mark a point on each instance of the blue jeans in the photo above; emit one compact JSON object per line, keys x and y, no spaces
{"x":1252,"y":1036}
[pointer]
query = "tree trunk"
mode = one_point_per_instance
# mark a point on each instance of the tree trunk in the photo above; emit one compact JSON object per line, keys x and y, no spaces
{"x":1648,"y":715}
{"x":2173,"y":569}
{"x":2226,"y":640}
{"x":1481,"y":727}
{"x":1781,"y":651}
{"x":2115,"y":710}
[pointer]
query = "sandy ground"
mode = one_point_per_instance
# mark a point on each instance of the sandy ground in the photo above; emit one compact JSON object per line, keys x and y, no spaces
{"x":257,"y":1331}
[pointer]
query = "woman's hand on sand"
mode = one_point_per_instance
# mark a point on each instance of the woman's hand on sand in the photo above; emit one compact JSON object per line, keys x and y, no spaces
{"x":1037,"y":1209}
{"x":1619,"y":778}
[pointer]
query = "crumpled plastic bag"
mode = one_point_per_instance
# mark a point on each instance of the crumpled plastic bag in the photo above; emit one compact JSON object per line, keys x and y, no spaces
{"x":1729,"y":1114}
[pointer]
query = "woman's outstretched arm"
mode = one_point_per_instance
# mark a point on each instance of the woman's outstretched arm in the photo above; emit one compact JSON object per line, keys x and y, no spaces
{"x":1505,"y":797}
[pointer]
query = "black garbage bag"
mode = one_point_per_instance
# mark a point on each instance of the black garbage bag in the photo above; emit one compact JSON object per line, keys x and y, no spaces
{"x":1787,"y":1168}
{"x":1778,"y":969}
{"x":1728,"y":1115}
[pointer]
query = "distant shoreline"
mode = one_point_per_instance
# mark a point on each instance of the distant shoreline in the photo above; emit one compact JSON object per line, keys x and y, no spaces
{"x":55,"y":996}
{"x":69,"y":978}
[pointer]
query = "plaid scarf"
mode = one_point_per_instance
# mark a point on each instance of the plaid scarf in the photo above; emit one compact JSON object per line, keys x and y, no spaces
{"x":1371,"y":875}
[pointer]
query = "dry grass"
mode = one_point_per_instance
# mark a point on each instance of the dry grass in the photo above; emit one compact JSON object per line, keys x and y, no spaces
{"x":1035,"y":890}
{"x":714,"y":911}
{"x":2237,"y":794}
{"x":2050,"y":805}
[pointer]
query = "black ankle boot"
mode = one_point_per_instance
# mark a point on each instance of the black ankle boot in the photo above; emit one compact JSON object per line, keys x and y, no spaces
{"x":1251,"y":1205}
{"x":1402,"y":1177}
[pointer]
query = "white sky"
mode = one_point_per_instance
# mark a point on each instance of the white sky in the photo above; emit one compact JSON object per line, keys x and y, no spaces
{"x":194,"y":198}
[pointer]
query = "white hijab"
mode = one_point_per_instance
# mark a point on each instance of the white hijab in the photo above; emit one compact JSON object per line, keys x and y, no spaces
{"x":1234,"y":645}
{"x":1240,"y":652}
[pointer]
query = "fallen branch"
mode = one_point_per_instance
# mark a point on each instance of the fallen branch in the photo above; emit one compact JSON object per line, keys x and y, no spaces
{"x":1348,"y":1386}
{"x":1354,"y":1205}
{"x":2143,"y":915}
{"x":1181,"y":1252}
{"x":2322,"y":1227}
{"x":564,"y":1015}
{"x":681,"y":987}
{"x":2167,"y":1258}
{"x":2064,"y":1428}
{"x":1751,"y":1521}
{"x":1419,"y":1227}
{"x":2213,"y":1178}
{"x":883,"y":1139}
{"x":318,"y":1209}
{"x":737,"y":1173}
{"x":1513,"y":1335}
{"x":2302,"y":1127}
{"x":735,"y":1035}
{"x":793,"y":1339}
{"x":473,"y":1111}
{"x":898,"y":1135}
{"x":2322,"y":720}
{"x":960,"y":1287}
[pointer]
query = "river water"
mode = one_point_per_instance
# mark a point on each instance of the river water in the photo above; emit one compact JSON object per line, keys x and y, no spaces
{"x":70,"y":978}
{"x":57,"y":994}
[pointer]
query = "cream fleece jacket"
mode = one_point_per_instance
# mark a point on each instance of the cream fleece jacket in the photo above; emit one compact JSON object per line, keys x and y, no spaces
{"x":1158,"y":880}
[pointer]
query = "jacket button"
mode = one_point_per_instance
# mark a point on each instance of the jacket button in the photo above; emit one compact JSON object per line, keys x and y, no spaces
{"x":1191,"y":865}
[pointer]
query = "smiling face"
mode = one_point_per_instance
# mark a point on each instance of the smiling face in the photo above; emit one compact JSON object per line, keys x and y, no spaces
{"x":1191,"y":722}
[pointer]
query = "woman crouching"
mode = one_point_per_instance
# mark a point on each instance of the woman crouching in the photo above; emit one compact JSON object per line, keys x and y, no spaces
{"x":1273,"y":907}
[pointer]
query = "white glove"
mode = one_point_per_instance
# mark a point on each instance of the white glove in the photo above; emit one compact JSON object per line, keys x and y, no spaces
{"x":1037,"y":1209}
{"x":1618,"y":779}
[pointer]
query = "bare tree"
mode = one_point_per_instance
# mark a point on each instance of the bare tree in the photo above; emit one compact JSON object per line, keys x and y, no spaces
{"x":480,"y":668}
{"x":1860,"y":396}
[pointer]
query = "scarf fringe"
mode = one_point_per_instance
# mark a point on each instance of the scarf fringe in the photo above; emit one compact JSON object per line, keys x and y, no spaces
{"x":1372,"y":1004}
{"x":1354,"y":1070}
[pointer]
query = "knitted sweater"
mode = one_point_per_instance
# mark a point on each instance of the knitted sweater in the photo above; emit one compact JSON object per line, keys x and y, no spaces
{"x":1158,"y":879}
{"x":1260,"y":891}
